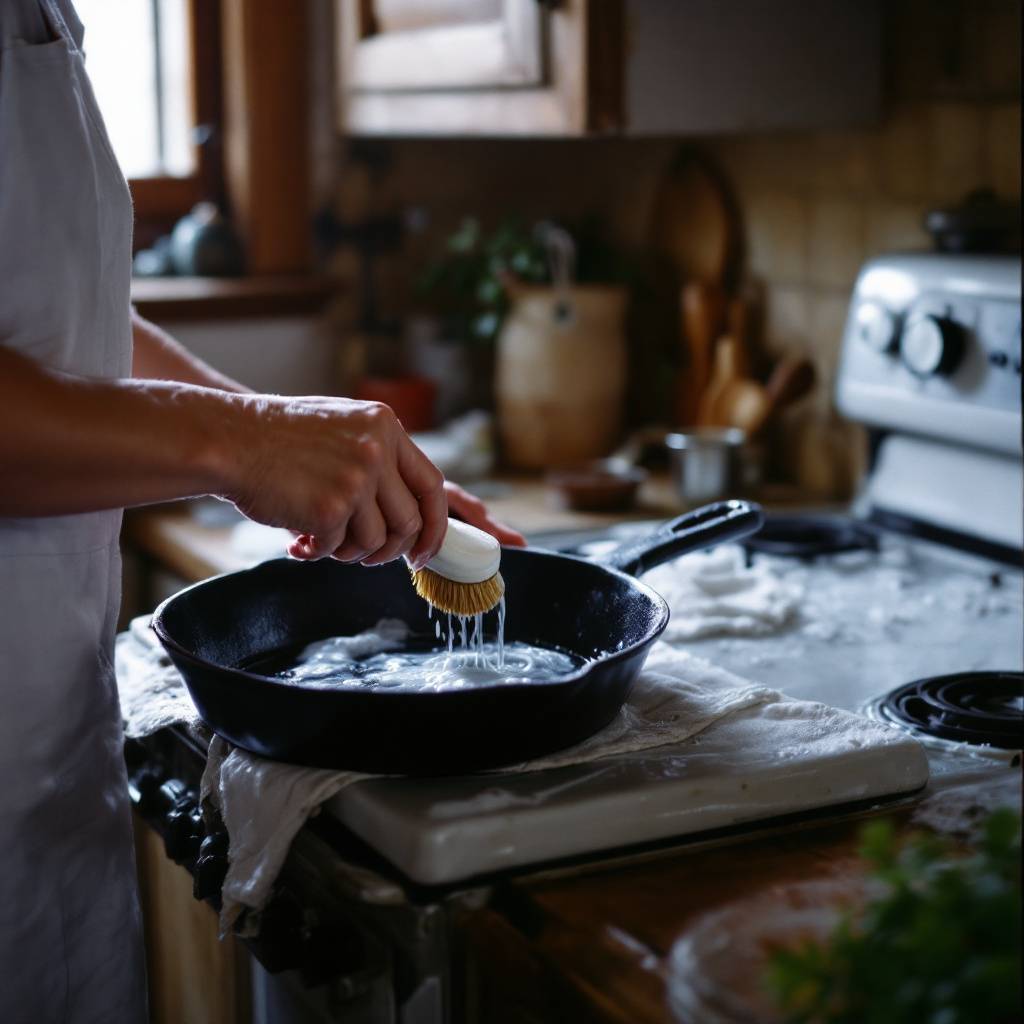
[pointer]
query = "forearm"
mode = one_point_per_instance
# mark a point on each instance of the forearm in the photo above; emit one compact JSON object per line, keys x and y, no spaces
{"x":73,"y":444}
{"x":158,"y":356}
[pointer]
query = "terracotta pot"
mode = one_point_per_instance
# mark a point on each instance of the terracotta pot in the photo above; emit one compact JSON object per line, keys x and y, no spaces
{"x":560,"y":375}
{"x":412,"y":398}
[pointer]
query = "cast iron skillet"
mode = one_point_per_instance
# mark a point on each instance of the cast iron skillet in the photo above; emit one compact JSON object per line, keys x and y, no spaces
{"x":215,"y":628}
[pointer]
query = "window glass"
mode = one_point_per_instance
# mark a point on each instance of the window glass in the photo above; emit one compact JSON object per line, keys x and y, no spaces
{"x":137,"y":55}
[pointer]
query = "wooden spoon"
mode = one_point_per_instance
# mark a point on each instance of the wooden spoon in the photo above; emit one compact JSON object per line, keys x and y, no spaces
{"x":744,"y":404}
{"x":703,"y":311}
{"x":792,"y":378}
{"x":711,"y":406}
{"x":694,"y":221}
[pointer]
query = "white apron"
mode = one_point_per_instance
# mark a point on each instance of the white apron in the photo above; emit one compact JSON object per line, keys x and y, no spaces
{"x":70,"y":929}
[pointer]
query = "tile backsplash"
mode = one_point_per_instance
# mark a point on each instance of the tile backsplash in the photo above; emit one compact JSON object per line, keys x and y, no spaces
{"x":814,"y":205}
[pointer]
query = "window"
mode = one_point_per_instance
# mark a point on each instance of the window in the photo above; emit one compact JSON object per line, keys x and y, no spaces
{"x":138,"y":61}
{"x":155,"y":68}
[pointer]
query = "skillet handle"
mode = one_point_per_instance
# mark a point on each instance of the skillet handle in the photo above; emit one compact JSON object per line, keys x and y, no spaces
{"x":702,"y":528}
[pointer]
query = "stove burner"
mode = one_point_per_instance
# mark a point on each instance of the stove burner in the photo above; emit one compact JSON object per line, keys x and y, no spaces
{"x":968,"y":707}
{"x":808,"y":537}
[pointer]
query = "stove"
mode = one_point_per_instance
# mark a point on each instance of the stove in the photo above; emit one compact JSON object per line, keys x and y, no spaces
{"x":808,"y":537}
{"x":907,"y":608}
{"x":979,"y":710}
{"x":922,"y":577}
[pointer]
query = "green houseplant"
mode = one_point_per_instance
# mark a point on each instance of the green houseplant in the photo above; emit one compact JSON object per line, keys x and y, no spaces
{"x":940,"y":944}
{"x":465,"y":281}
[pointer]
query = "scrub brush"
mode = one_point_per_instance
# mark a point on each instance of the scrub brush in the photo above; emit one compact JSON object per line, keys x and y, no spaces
{"x":462,"y":578}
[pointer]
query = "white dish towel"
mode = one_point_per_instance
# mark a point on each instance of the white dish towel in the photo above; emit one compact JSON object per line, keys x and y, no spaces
{"x":264,"y":803}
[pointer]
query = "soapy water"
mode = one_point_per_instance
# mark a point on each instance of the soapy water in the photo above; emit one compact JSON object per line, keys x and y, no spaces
{"x":389,"y":657}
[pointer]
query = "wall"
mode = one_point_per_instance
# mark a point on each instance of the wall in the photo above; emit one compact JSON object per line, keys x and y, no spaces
{"x":293,"y":355}
{"x":817,"y":205}
{"x":814,"y":205}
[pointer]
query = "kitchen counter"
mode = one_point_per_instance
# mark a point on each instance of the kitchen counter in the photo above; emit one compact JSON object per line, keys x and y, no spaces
{"x":593,"y":941}
{"x":597,"y":946}
{"x":193,"y":549}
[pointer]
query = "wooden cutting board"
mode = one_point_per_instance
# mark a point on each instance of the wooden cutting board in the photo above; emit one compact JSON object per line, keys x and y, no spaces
{"x":696,"y":239}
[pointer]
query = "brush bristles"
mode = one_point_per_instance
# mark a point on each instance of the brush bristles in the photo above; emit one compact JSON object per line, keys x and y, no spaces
{"x":458,"y":598}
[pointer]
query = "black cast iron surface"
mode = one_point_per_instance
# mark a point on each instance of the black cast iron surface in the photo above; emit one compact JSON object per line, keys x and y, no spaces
{"x":810,"y":537}
{"x":596,"y":612}
{"x":967,"y":707}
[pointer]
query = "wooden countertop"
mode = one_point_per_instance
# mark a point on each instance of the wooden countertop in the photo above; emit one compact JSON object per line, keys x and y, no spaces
{"x":167,"y":299}
{"x":597,"y":947}
{"x":595,"y":944}
{"x":184,"y":544}
{"x":584,"y":944}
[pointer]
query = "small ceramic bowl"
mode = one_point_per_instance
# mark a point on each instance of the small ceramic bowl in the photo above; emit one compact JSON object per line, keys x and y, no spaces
{"x":601,"y":486}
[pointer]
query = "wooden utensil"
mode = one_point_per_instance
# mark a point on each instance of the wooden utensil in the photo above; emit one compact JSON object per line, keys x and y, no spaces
{"x":695,"y":223}
{"x":751,"y":406}
{"x":695,"y":232}
{"x":723,"y":377}
{"x":702,"y":306}
{"x":744,"y":404}
{"x":739,"y":326}
{"x":792,"y":378}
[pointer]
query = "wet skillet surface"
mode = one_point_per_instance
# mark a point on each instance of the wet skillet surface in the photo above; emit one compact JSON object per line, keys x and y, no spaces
{"x":600,"y":615}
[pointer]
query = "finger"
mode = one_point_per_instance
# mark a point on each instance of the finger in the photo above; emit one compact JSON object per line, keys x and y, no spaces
{"x":504,"y":534}
{"x":470,"y":508}
{"x":426,"y":483}
{"x":301,"y":547}
{"x":367,"y":533}
{"x":310,"y":547}
{"x":338,"y":519}
{"x":324,"y":544}
{"x":401,"y":513}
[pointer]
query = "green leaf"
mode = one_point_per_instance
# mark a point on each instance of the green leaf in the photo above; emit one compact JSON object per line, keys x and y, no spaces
{"x":941,"y":944}
{"x":486,"y":326}
{"x":466,"y":237}
{"x":489,"y":292}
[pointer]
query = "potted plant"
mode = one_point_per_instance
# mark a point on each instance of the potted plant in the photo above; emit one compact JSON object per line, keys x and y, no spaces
{"x":558,"y":344}
{"x":463,"y":288}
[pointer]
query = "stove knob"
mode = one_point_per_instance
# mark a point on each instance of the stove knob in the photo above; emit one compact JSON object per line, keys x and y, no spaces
{"x":183,"y":833}
{"x":931,"y":345}
{"x":875,"y":326}
{"x":211,"y":867}
{"x":146,"y":782}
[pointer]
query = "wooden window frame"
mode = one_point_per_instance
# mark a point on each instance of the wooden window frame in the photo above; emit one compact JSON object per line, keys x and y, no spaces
{"x":249,"y":83}
{"x":161,"y":199}
{"x":500,"y":54}
{"x":580,"y":92}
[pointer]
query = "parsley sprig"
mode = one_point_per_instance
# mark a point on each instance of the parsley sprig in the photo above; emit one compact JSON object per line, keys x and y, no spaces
{"x":941,"y":944}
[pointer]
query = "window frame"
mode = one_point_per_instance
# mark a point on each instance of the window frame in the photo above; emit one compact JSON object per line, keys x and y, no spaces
{"x":160,"y":200}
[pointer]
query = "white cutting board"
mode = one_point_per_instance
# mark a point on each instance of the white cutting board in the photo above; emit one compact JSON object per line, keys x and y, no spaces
{"x":756,"y":764}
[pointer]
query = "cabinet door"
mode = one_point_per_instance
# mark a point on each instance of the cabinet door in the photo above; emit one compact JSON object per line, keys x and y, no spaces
{"x":488,"y":67}
{"x":431,"y":45}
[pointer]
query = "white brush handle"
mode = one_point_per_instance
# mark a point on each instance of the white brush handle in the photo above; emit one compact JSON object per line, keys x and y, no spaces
{"x":467,"y":555}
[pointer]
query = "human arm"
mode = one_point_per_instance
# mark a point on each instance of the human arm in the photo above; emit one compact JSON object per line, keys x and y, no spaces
{"x":342,"y":475}
{"x":158,"y":356}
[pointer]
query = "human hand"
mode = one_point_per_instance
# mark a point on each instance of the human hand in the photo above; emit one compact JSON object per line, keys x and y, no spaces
{"x":470,"y":508}
{"x":342,"y":475}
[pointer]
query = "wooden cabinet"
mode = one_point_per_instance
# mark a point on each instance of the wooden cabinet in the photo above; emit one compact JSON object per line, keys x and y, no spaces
{"x":192,"y":976}
{"x":493,"y":67}
{"x":585,"y":67}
